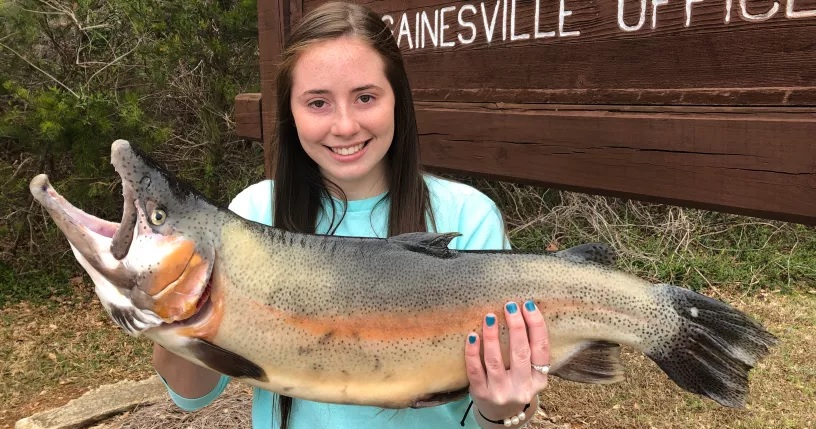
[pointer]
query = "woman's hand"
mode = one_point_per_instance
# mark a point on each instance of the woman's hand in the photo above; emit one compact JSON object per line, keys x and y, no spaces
{"x":499,"y":393}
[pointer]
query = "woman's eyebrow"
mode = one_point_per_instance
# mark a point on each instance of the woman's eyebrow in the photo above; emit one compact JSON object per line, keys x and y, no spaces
{"x":326,"y":91}
{"x":316,"y":91}
{"x":365,"y":88}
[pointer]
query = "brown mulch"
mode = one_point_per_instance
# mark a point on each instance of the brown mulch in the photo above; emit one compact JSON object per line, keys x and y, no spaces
{"x":230,"y":410}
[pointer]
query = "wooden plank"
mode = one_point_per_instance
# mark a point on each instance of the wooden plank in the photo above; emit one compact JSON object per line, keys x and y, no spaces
{"x":249,"y":126}
{"x":273,"y":19}
{"x":295,"y":12}
{"x":750,"y":164}
{"x":697,"y":52}
{"x":750,"y":161}
{"x":247,"y":115}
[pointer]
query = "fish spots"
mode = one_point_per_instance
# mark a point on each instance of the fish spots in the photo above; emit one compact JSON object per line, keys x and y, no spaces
{"x":343,"y":309}
{"x":326,"y":338}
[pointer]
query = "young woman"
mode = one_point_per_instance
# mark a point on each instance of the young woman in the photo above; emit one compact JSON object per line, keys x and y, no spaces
{"x":347,"y":163}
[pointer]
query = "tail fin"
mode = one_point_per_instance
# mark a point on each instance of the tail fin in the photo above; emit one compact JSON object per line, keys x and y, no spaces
{"x":714,"y":349}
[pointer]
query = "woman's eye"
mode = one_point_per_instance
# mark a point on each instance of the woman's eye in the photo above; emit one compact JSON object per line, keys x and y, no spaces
{"x":158,"y":216}
{"x":318,"y":104}
{"x":366,"y":98}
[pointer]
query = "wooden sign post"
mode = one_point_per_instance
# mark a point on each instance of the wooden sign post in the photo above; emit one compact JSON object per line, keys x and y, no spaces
{"x":699,"y":103}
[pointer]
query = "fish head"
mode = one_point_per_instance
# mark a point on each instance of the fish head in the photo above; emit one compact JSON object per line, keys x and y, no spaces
{"x":154,"y":267}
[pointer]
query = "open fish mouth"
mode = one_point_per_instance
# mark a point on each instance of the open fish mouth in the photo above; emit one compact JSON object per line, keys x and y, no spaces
{"x":116,"y":282}
{"x":88,"y":234}
{"x":101,"y":227}
{"x":203,"y":310}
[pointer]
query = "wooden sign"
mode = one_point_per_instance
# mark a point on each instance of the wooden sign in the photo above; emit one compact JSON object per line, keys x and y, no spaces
{"x":700,"y":103}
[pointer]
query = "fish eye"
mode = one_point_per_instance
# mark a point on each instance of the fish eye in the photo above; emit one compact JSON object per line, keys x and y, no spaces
{"x":158,"y":216}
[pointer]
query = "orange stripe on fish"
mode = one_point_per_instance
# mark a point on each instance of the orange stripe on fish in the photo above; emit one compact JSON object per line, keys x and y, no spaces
{"x":388,"y":326}
{"x":383,"y":325}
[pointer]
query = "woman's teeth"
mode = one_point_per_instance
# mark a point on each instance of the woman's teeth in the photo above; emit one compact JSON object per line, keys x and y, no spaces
{"x":345,"y":151}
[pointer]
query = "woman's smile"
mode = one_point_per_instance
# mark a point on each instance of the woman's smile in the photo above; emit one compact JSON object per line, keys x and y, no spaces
{"x":349,"y":153}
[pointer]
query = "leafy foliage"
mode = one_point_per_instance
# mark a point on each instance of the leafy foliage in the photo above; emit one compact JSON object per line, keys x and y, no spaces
{"x":77,"y":75}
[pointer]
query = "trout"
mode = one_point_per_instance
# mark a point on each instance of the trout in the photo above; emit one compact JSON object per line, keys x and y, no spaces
{"x":379,"y":322}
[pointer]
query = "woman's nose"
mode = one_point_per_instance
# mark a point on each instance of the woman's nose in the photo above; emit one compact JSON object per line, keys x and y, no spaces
{"x":345,"y":124}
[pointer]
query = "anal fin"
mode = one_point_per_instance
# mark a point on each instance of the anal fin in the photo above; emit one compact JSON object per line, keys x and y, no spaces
{"x":597,"y":363}
{"x":225,"y":361}
{"x":440,"y":398}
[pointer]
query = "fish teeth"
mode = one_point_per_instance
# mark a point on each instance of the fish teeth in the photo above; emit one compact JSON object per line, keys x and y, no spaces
{"x":345,"y":151}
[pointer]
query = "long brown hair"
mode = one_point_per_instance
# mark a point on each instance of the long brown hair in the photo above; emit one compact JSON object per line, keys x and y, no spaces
{"x":299,"y":186}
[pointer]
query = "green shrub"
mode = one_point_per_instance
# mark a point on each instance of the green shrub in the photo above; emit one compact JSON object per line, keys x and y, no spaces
{"x":77,"y":75}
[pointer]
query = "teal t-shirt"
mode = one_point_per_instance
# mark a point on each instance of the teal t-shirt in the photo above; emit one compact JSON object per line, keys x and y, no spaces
{"x":456,"y":207}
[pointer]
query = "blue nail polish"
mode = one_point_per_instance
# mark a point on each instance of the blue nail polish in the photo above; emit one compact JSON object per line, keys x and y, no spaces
{"x":491,"y":320}
{"x":512,"y":308}
{"x":472,"y":338}
{"x":529,"y":305}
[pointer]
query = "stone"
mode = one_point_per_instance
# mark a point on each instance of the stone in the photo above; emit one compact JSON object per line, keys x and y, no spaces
{"x":98,"y":404}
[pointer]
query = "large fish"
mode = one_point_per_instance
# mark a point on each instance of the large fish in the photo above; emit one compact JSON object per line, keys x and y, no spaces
{"x":376,"y":321}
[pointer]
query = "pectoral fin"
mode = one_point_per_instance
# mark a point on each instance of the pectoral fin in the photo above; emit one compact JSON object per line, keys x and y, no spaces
{"x":225,"y":361}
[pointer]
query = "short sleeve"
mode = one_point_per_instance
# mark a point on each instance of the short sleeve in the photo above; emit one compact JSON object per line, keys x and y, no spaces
{"x":460,"y":208}
{"x":254,"y":203}
{"x":188,"y":404}
{"x":483,"y":230}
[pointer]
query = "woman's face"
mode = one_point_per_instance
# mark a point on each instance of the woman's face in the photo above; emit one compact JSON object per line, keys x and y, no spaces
{"x":343,"y":107}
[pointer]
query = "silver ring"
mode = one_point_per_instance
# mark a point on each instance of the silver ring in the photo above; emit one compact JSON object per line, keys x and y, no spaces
{"x":544,"y":369}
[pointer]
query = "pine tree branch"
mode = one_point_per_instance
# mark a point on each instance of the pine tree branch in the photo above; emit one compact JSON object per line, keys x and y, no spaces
{"x":115,"y":60}
{"x":40,"y":70}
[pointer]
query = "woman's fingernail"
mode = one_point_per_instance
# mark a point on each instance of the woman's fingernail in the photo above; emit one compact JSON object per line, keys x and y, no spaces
{"x":490,"y":320}
{"x":529,"y":305}
{"x":512,"y":308}
{"x":472,"y":338}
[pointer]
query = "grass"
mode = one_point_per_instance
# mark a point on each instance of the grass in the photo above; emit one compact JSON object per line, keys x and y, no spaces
{"x":51,"y":353}
{"x":56,"y":342}
{"x":30,"y":286}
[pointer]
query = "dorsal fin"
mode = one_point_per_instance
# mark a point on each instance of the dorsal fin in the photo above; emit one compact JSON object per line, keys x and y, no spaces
{"x":426,"y":242}
{"x":591,"y":252}
{"x":597,"y":363}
